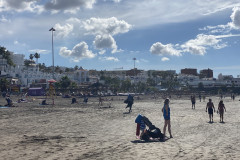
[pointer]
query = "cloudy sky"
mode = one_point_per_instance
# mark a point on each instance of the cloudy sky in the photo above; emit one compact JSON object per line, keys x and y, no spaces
{"x":108,"y":34}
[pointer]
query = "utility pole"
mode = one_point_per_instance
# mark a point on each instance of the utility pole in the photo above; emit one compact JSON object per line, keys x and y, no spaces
{"x":52,"y":29}
{"x":134,"y":71}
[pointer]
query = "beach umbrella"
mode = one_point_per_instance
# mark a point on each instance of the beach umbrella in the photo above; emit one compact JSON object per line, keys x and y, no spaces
{"x":52,"y":81}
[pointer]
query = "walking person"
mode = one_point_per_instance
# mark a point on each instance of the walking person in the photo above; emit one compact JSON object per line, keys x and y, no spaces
{"x":221,"y":108}
{"x":210,"y":108}
{"x":166,"y":115}
{"x":129,"y":102}
{"x":193,"y":100}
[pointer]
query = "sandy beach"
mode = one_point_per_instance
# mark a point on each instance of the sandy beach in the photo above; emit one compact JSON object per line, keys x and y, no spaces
{"x":87,"y":131}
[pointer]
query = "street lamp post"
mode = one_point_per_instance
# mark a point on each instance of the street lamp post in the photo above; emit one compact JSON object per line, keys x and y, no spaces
{"x":52,"y":29}
{"x":134,"y":62}
{"x":134,"y":70}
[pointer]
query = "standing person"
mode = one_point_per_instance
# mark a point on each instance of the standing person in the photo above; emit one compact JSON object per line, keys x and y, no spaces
{"x":100,"y":100}
{"x":203,"y":98}
{"x":193,"y":100}
{"x":221,"y":108}
{"x":129,"y":101}
{"x":210,"y":107}
{"x":166,"y":115}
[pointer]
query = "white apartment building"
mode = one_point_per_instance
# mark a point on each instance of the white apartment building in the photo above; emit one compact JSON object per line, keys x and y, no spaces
{"x":26,"y":76}
{"x":18,"y":59}
{"x":81,"y":75}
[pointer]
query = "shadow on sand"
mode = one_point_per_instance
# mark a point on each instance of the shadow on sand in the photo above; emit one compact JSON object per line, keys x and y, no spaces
{"x":105,"y":107}
{"x":126,"y":112}
{"x":210,"y":122}
{"x":150,"y":141}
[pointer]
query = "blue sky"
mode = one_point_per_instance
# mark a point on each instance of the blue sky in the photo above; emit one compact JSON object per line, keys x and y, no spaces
{"x":108,"y":34}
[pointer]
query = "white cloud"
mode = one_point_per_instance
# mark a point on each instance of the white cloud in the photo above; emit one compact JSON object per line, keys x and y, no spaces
{"x":102,"y":51}
{"x":217,"y":29}
{"x":4,"y":19}
{"x":40,"y":51}
{"x":16,"y":42}
{"x":101,"y":26}
{"x":105,"y":41}
{"x":69,"y":5}
{"x":235,"y":18}
{"x":117,"y":1}
{"x":161,"y":49}
{"x":226,"y":28}
{"x":19,"y":44}
{"x":146,"y":13}
{"x":79,"y":52}
{"x":104,"y":29}
{"x":201,"y":43}
{"x":109,"y":59}
{"x":63,"y":31}
{"x":20,"y":6}
{"x":165,"y":59}
{"x":198,"y":46}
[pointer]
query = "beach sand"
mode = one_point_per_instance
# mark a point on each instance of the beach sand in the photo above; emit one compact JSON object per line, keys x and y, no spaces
{"x":87,"y":131}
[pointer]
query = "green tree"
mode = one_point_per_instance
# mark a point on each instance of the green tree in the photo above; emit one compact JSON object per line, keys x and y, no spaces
{"x":151,"y":82}
{"x":126,"y":85}
{"x":67,"y":70}
{"x":76,"y":67}
{"x":57,"y":85}
{"x":65,"y":82}
{"x":141,"y":87}
{"x":73,"y":85}
{"x":31,"y":56}
{"x":4,"y":83}
{"x":6,"y":55}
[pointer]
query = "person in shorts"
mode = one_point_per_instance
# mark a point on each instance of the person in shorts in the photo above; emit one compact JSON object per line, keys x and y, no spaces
{"x":210,"y":108}
{"x":166,"y":115}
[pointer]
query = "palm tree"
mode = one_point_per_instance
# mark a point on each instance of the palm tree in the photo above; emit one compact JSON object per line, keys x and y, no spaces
{"x":31,"y":56}
{"x":76,"y":67}
{"x":36,"y":55}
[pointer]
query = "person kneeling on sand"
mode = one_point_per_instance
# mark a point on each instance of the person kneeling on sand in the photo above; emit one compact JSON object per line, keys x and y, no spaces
{"x":146,"y":134}
{"x":44,"y":102}
{"x":210,"y":107}
{"x":9,"y":102}
{"x":166,"y":115}
{"x":74,"y":100}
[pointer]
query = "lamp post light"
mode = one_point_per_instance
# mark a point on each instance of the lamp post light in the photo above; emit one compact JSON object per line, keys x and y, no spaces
{"x":52,"y":29}
{"x":134,"y":62}
{"x":134,"y":70}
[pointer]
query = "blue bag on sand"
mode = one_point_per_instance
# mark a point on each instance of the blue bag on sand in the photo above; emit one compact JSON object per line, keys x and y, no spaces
{"x":138,"y":119}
